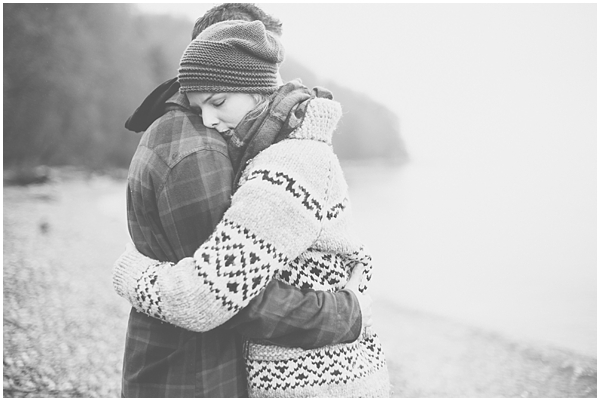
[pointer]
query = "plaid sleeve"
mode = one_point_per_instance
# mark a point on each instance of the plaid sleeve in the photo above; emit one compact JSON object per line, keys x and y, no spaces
{"x":198,"y":188}
{"x":287,"y":316}
{"x":194,"y":198}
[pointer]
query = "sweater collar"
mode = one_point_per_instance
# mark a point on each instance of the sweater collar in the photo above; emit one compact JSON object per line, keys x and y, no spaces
{"x":284,"y":114}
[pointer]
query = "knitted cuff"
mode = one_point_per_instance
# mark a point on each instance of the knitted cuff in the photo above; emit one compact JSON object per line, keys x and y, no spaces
{"x":127,"y":270}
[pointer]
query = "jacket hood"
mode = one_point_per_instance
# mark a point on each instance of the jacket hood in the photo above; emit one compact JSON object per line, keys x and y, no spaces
{"x":152,"y":107}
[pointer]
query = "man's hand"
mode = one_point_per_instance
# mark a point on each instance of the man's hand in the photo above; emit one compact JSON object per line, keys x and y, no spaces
{"x":364,"y":300}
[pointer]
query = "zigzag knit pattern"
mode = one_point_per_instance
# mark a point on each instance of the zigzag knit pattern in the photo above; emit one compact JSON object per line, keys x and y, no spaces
{"x":290,"y":219}
{"x":324,"y":372}
{"x":324,"y":271}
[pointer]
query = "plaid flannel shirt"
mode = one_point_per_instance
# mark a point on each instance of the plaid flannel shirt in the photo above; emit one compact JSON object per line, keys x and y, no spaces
{"x":179,"y":186}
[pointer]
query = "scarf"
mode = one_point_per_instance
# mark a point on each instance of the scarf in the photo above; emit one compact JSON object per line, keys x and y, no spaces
{"x":285,"y":112}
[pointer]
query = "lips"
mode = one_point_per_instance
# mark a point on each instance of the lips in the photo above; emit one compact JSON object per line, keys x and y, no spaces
{"x":226,"y":134}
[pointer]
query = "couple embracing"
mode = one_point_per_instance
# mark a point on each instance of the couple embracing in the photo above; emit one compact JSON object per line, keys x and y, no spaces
{"x":245,"y":277}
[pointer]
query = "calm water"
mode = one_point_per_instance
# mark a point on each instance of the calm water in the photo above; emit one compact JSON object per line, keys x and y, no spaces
{"x":465,"y":245}
{"x":445,"y":242}
{"x":494,"y":220}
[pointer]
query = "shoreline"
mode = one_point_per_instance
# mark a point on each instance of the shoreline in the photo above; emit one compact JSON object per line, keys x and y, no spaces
{"x":433,"y":356}
{"x":60,"y":240}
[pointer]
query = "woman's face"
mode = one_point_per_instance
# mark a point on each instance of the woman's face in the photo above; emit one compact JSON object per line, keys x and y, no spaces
{"x":221,"y":111}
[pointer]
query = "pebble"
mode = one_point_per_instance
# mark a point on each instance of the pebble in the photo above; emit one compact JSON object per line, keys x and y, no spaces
{"x":62,"y":319}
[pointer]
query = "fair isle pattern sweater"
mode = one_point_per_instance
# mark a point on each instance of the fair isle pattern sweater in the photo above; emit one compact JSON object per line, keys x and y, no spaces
{"x":290,"y":219}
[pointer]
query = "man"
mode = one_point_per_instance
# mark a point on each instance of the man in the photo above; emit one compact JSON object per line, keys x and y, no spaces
{"x":179,"y":186}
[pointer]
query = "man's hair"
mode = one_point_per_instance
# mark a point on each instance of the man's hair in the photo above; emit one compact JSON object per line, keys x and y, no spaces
{"x":236,"y":11}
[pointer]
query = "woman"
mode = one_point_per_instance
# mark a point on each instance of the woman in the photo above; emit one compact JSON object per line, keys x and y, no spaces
{"x":289,"y":217}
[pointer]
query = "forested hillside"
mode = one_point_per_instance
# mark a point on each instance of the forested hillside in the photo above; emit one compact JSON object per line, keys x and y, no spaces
{"x":367,"y":130}
{"x":73,"y":73}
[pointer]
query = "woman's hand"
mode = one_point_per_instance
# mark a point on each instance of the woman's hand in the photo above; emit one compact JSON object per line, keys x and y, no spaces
{"x":364,"y":300}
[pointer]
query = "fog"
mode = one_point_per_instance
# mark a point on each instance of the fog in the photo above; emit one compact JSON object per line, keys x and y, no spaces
{"x":493,"y":221}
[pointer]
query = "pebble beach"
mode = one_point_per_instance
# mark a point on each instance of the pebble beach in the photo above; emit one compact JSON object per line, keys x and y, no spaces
{"x":64,"y":327}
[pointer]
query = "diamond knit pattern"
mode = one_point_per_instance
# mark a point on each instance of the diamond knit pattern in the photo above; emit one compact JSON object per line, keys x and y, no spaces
{"x":290,"y":219}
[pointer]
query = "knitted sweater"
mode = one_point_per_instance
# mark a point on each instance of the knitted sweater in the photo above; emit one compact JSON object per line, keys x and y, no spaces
{"x":290,"y":219}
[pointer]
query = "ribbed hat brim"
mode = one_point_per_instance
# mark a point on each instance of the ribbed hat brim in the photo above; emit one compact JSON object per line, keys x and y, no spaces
{"x":208,"y":67}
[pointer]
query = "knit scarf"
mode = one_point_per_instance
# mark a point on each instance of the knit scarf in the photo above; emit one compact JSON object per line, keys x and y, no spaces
{"x":284,"y":113}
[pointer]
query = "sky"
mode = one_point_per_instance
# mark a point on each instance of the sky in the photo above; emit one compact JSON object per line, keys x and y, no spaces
{"x":497,"y":106}
{"x":480,"y":67}
{"x":505,"y":90}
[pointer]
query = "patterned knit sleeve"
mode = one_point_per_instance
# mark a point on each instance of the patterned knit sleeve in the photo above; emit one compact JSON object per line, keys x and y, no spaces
{"x":274,"y":216}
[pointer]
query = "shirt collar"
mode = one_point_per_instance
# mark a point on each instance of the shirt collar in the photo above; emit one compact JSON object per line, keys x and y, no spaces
{"x":180,"y":99}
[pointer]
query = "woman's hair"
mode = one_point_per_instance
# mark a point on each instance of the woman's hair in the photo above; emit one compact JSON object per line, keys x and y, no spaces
{"x":262,"y":102}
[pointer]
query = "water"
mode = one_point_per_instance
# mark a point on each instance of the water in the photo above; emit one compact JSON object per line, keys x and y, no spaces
{"x":494,"y":220}
{"x":505,"y":252}
{"x":444,"y":241}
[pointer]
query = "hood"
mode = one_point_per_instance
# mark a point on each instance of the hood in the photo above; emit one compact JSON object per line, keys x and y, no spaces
{"x":152,"y":107}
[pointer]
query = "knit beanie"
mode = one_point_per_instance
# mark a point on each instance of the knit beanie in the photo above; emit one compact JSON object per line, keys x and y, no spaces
{"x":231,"y":56}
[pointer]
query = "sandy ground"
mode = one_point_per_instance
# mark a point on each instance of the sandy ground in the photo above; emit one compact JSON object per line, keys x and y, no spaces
{"x":64,"y":327}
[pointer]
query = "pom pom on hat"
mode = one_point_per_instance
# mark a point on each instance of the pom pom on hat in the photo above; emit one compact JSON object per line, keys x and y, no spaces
{"x":232,"y":56}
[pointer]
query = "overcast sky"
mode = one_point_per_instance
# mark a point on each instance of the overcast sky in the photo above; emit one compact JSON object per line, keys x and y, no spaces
{"x":468,"y":69}
{"x":497,"y":106}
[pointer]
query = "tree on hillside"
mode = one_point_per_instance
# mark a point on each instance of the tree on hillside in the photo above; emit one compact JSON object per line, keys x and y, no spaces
{"x":65,"y":83}
{"x":74,"y":73}
{"x":367,"y":130}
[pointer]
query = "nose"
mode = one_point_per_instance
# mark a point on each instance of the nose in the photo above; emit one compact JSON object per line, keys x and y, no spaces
{"x":209,"y":119}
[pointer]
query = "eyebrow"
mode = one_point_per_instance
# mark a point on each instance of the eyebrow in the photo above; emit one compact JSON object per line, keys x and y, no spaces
{"x":208,"y":98}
